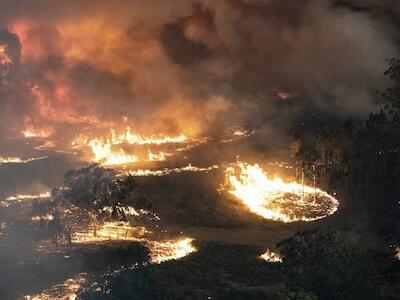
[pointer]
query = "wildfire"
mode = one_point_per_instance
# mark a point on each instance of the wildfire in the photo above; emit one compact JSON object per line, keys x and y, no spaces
{"x":31,"y":131}
{"x":3,"y":226}
{"x":5,"y":60}
{"x":284,"y":95}
{"x":397,"y":253}
{"x":110,"y":231}
{"x":167,"y":171}
{"x":275,"y":199}
{"x":127,"y":137}
{"x":157,"y":156}
{"x":67,"y":290}
{"x":24,"y":197}
{"x":161,"y":251}
{"x":103,"y":153}
{"x":17,"y":160}
{"x":47,"y":217}
{"x":270,"y":256}
{"x":237,"y":134}
{"x":131,"y":211}
{"x":110,"y":151}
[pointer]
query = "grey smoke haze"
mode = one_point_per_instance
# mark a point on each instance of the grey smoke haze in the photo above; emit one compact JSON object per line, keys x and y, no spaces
{"x":192,"y":66}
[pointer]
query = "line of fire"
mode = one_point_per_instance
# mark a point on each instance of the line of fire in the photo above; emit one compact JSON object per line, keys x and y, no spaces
{"x":196,"y":149}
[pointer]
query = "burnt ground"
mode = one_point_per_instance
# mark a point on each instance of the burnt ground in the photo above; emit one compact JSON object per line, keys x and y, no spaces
{"x":188,"y":202}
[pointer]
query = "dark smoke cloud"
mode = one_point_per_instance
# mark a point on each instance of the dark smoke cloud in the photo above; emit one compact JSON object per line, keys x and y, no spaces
{"x":194,"y":66}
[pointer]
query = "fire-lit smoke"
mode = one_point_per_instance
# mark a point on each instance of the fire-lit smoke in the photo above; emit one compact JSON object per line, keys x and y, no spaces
{"x":275,"y":199}
{"x":5,"y":60}
{"x":190,"y":68}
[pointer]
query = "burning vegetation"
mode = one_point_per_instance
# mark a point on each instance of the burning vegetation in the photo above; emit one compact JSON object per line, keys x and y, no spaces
{"x":149,"y":105}
{"x":274,"y":199}
{"x":109,"y":151}
{"x":5,"y":60}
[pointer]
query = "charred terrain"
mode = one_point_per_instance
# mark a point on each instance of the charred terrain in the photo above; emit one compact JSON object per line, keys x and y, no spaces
{"x":230,"y":149}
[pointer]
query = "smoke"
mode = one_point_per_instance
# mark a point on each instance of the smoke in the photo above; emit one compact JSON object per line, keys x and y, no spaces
{"x":193,"y":67}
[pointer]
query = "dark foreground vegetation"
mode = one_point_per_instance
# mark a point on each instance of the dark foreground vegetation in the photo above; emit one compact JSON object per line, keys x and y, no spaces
{"x":360,"y":161}
{"x":109,"y":258}
{"x":317,"y":264}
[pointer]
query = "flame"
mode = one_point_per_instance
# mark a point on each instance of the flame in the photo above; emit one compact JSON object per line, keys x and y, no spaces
{"x":167,"y":171}
{"x":32,"y":131}
{"x":108,"y":151}
{"x":162,"y":251}
{"x":3,"y":226}
{"x":5,"y":60}
{"x":59,"y":111}
{"x":104,"y":154}
{"x":23,"y":197}
{"x":110,"y":231}
{"x":161,"y":156}
{"x":236,"y":134}
{"x":397,"y":253}
{"x":275,"y":199}
{"x":18,"y":160}
{"x":131,"y":211}
{"x":47,"y":217}
{"x":67,"y":290}
{"x":270,"y":256}
{"x":127,"y":137}
{"x":284,"y":95}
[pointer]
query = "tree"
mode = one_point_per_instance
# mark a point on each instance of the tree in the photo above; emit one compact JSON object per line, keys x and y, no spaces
{"x":321,"y":262}
{"x":95,"y":188}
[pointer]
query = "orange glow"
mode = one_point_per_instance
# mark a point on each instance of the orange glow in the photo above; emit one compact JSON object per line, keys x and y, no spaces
{"x":18,"y":160}
{"x":397,"y":253}
{"x":25,"y":197}
{"x":161,"y":156}
{"x":59,"y":113}
{"x":161,"y":251}
{"x":104,"y":154}
{"x":5,"y":60}
{"x":166,"y":171}
{"x":47,"y":217}
{"x":127,"y":137}
{"x":31,"y":131}
{"x":270,"y":256}
{"x":32,"y":46}
{"x":67,"y":290}
{"x":275,"y":199}
{"x":107,"y":150}
{"x":283,"y":95}
{"x":109,"y":231}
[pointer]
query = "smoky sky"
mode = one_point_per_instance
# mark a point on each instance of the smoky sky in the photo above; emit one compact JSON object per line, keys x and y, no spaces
{"x":197,"y":67}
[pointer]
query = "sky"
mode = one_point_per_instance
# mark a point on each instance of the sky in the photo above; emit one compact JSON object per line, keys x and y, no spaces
{"x":188,"y":67}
